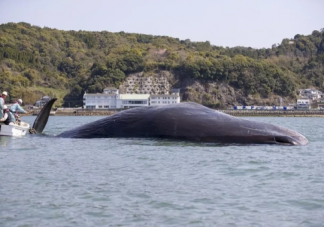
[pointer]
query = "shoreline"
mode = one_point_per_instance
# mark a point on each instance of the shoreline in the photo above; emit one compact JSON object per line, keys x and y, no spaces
{"x":274,"y":113}
{"x":237,"y":113}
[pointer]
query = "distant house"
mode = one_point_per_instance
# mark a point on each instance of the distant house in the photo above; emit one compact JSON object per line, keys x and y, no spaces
{"x":322,"y":97}
{"x":321,"y":106}
{"x":311,"y":94}
{"x":303,"y":104}
{"x":42,"y":101}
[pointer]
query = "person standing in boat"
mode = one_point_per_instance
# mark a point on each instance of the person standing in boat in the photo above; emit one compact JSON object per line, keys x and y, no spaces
{"x":16,"y":108}
{"x":7,"y":117}
{"x":2,"y":102}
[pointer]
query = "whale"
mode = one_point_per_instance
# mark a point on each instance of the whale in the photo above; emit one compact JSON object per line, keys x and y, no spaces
{"x":185,"y":121}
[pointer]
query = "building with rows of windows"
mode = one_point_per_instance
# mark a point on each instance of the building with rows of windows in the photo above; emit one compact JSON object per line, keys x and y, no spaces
{"x":111,"y":99}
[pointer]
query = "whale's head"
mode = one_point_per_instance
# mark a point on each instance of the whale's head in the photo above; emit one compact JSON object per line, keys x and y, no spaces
{"x":290,"y":140}
{"x":270,"y":134}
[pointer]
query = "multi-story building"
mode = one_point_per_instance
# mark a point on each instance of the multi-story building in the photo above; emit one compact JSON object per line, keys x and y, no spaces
{"x":158,"y":100}
{"x":111,"y":99}
{"x":303,"y":104}
{"x":132,"y":100}
{"x":311,"y":94}
{"x":105,"y":100}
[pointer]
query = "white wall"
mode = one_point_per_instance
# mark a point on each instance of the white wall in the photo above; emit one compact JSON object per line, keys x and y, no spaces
{"x":121,"y":101}
{"x":164,"y":100}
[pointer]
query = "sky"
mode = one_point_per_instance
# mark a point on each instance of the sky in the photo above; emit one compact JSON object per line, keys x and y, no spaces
{"x":249,"y":23}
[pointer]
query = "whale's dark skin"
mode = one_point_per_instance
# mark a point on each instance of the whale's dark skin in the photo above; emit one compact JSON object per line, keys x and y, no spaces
{"x":42,"y":117}
{"x":183,"y":121}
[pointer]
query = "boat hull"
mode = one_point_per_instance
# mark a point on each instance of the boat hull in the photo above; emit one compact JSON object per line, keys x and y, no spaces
{"x":14,"y":129}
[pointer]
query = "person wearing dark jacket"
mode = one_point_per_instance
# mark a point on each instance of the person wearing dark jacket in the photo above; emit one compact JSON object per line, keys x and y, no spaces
{"x":7,"y":117}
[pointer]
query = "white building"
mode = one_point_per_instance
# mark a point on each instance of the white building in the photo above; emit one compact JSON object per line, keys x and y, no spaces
{"x":303,"y":104}
{"x":100,"y":101}
{"x":310,"y":94}
{"x":111,"y":99}
{"x":158,"y":100}
{"x":132,"y":100}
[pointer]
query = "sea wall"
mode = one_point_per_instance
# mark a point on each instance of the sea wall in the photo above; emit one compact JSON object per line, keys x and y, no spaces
{"x":242,"y":113}
{"x":252,"y":113}
{"x":85,"y":112}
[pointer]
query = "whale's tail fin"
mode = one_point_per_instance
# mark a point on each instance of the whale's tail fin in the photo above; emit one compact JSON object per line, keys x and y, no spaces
{"x":42,"y":117}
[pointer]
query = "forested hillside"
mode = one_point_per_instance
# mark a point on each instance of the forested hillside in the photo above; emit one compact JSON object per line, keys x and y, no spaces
{"x":38,"y":61}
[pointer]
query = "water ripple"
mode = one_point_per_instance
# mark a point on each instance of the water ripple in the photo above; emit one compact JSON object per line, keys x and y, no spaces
{"x":48,"y":181}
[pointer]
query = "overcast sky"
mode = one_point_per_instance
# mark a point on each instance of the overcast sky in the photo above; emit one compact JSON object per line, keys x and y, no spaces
{"x":250,"y":23}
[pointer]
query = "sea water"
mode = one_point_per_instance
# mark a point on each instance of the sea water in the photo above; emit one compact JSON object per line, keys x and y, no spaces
{"x":48,"y":181}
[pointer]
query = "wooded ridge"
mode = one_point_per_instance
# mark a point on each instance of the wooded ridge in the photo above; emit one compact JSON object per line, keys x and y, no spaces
{"x":37,"y":61}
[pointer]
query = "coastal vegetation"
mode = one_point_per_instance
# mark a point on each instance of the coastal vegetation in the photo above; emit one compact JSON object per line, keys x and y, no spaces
{"x":37,"y":61}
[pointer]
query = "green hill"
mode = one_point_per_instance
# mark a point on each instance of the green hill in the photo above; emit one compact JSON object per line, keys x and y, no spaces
{"x":38,"y":61}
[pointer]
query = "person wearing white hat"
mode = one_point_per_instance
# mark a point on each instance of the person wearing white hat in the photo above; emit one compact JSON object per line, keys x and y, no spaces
{"x":2,"y":102}
{"x":7,"y":118}
{"x":16,"y":108}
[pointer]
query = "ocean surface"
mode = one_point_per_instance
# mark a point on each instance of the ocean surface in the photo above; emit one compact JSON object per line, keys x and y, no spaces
{"x":47,"y":181}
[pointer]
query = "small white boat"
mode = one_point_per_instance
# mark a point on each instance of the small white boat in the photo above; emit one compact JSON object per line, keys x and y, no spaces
{"x":14,"y":129}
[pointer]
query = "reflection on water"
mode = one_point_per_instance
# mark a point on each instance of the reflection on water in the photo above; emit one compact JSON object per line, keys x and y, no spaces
{"x":4,"y":140}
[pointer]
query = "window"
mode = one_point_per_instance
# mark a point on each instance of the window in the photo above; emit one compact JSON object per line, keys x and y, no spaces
{"x":137,"y":102}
